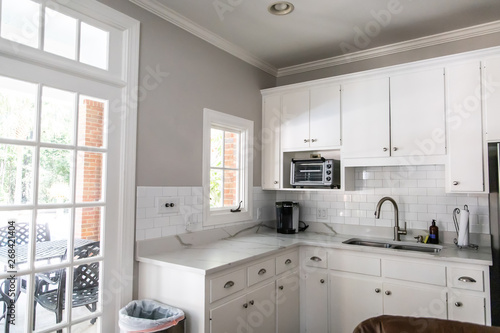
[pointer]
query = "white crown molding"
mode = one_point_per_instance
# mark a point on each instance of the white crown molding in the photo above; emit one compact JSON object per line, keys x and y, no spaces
{"x":418,"y":43}
{"x":157,"y":8}
{"x":173,"y":17}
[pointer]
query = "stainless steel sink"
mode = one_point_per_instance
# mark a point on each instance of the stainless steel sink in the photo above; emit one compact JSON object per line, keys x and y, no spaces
{"x":418,"y":247}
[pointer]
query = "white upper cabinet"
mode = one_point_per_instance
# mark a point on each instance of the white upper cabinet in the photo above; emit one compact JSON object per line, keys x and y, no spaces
{"x":491,"y":95}
{"x":271,"y":123}
{"x":310,"y":118}
{"x":324,"y":116}
{"x":464,"y":168}
{"x":418,"y":114}
{"x":365,"y":119}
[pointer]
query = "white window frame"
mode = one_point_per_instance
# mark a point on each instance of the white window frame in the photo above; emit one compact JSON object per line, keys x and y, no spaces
{"x":219,"y":216}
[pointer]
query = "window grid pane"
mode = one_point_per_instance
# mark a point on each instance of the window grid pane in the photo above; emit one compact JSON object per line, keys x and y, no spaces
{"x":60,"y":34}
{"x":20,"y":21}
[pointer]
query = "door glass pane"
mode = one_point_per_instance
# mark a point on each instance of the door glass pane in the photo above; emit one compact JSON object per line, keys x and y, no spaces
{"x":49,"y":287}
{"x":215,"y":188}
{"x":216,"y":148}
{"x":89,"y":176}
{"x":60,"y":34}
{"x":56,"y":167}
{"x":16,"y":174}
{"x":53,"y":232}
{"x":86,"y":326}
{"x":58,"y":114}
{"x":88,"y":228}
{"x":18,"y":309}
{"x":86,"y":286}
{"x":20,"y":21}
{"x":17,"y":109}
{"x":231,"y":149}
{"x":94,"y":46}
{"x":91,"y":116}
{"x":231,"y":188}
{"x":15,"y":227}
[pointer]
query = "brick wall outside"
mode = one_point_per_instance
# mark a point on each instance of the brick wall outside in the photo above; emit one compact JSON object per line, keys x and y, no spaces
{"x":89,"y":169}
{"x":231,"y":161}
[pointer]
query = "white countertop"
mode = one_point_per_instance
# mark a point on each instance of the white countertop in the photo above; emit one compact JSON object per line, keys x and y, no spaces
{"x":222,"y":253}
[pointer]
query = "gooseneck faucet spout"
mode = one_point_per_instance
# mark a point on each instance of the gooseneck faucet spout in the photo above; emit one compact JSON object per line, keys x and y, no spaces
{"x":397,"y":231}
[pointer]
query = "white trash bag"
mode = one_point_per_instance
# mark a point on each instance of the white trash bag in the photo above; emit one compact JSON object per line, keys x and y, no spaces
{"x":148,"y":316}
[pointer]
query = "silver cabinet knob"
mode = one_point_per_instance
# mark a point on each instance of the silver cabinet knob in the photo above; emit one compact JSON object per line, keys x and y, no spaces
{"x":455,"y":183}
{"x":322,"y":281}
{"x":280,"y":287}
{"x":306,"y":140}
{"x":251,"y":302}
{"x":388,"y":292}
{"x":458,"y":304}
{"x":245,"y":305}
{"x":314,"y":140}
{"x":385,"y":149}
{"x":395,"y":148}
{"x":377,"y":290}
{"x":275,"y":182}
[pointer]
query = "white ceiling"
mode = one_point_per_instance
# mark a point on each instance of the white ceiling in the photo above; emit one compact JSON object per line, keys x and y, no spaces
{"x":320,"y":29}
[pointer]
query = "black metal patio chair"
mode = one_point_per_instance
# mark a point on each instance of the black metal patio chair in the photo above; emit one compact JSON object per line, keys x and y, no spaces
{"x":50,"y":288}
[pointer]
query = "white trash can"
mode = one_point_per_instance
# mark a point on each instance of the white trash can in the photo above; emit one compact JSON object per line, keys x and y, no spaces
{"x":151,"y":316}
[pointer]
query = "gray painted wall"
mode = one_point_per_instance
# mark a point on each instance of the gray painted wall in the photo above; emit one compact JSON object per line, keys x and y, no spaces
{"x":169,"y":142}
{"x":465,"y":45}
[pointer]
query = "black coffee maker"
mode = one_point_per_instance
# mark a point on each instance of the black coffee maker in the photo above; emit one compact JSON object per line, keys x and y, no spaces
{"x":287,"y":217}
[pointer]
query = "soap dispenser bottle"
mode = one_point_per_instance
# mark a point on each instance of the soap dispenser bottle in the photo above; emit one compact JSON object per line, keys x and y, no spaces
{"x":433,"y":233}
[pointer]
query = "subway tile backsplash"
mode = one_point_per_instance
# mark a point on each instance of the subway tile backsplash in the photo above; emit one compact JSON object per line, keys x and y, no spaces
{"x":150,"y":224}
{"x":418,"y":190}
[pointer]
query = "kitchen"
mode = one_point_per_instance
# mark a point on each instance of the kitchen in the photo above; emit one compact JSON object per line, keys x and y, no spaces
{"x":189,"y":75}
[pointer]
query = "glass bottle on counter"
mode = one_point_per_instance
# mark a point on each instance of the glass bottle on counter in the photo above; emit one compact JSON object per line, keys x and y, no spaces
{"x":433,"y":233}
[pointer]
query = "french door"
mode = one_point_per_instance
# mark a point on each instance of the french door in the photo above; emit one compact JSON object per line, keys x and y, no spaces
{"x":59,"y":161}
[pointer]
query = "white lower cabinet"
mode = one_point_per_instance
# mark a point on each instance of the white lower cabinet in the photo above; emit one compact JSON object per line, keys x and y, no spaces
{"x":352,"y":300}
{"x":314,"y":301}
{"x":254,"y":312}
{"x":468,"y":308}
{"x":288,"y":303}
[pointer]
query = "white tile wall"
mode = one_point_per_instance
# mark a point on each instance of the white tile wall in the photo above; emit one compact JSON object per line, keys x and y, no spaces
{"x":150,"y":224}
{"x":418,"y":190}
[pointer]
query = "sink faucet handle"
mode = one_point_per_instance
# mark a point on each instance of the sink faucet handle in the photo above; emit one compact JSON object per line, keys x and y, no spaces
{"x":419,"y":238}
{"x":402,"y":231}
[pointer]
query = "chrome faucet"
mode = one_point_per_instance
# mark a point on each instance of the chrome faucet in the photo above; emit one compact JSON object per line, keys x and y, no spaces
{"x":397,"y":230}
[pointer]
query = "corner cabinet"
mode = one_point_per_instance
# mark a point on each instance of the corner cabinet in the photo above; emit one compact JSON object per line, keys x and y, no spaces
{"x":310,"y":118}
{"x":464,"y":167}
{"x":270,"y":142}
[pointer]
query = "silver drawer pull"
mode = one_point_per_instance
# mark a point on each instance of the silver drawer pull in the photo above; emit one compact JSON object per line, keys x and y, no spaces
{"x":458,"y":304}
{"x":262,"y":271}
{"x":288,"y":262}
{"x":317,"y":259}
{"x":466,"y":279}
{"x":228,"y":284}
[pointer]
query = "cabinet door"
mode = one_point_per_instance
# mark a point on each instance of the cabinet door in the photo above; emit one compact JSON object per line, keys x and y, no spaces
{"x":353,"y":300}
{"x":464,"y":170}
{"x":271,"y":123}
{"x":314,"y":303}
{"x":403,"y":300}
{"x":418,"y":114}
{"x":261,"y":312}
{"x":491,"y":95}
{"x":288,"y":306}
{"x":229,"y":317}
{"x":324,"y":116}
{"x":365,"y":119}
{"x":295,"y":120}
{"x":468,"y":308}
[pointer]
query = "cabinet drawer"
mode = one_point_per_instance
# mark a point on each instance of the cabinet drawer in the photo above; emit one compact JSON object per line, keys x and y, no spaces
{"x":226,"y":285}
{"x":414,"y":271}
{"x":315,"y":257}
{"x":355,"y":264}
{"x":464,"y":278}
{"x":287,"y":262}
{"x":261,"y":271}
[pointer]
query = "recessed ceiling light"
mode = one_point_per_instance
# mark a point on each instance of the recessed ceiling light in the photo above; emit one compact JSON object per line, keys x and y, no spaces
{"x":281,"y":8}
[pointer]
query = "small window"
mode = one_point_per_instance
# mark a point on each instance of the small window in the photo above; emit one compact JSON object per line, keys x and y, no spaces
{"x":228,"y":168}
